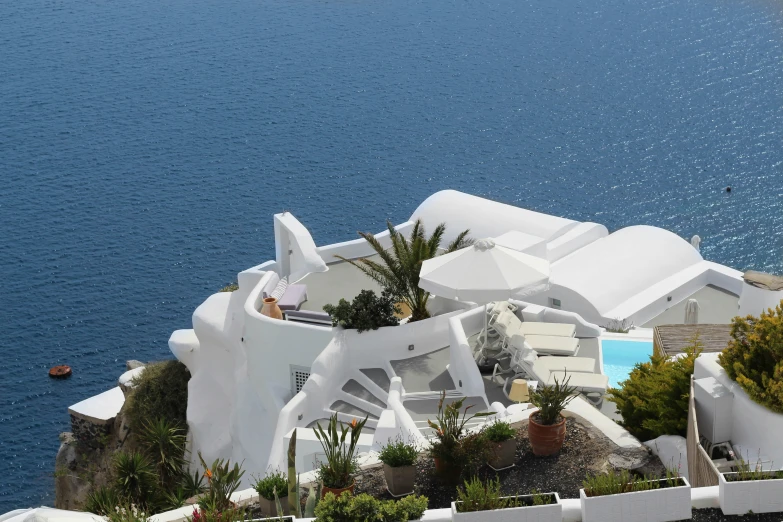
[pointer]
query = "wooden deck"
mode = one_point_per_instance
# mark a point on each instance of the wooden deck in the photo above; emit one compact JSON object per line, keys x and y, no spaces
{"x":672,"y":339}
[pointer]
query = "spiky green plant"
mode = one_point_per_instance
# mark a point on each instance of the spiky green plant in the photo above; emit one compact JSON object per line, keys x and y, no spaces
{"x":164,"y":443}
{"x":222,"y":480}
{"x":102,"y":500}
{"x":399,"y":268}
{"x":135,"y":477}
{"x":294,"y":506}
{"x":340,"y":451}
{"x":193,"y":484}
{"x":551,"y":400}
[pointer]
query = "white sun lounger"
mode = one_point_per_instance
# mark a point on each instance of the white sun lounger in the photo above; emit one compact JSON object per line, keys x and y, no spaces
{"x":523,"y":359}
{"x":552,"y":329}
{"x":547,"y":344}
{"x":583,"y":382}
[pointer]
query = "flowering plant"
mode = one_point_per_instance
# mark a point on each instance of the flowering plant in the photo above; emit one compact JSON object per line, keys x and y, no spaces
{"x":126,"y":513}
{"x":222,"y":481}
{"x":340,"y":464}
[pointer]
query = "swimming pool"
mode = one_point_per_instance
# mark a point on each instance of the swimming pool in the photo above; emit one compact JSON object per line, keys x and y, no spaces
{"x":621,"y":356}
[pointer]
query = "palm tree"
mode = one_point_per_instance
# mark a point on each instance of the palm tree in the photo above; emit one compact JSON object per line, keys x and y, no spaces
{"x":399,"y":271}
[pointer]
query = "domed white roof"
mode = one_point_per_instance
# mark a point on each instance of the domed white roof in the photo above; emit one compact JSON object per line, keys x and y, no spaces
{"x":613,"y":269}
{"x":485,"y":218}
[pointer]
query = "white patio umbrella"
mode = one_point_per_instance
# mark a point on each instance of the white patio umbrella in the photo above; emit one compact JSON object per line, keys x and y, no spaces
{"x":484,"y":272}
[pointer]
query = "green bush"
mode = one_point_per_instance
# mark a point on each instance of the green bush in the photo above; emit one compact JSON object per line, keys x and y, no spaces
{"x":398,"y":453}
{"x":164,"y":444}
{"x":135,"y":478}
{"x":366,"y":312}
{"x":482,"y":496}
{"x":365,"y":508}
{"x":102,"y":500}
{"x":653,"y":401}
{"x":231,"y":287}
{"x":499,"y":431}
{"x":754,"y":357}
{"x":160,"y":392}
{"x":276,"y":480}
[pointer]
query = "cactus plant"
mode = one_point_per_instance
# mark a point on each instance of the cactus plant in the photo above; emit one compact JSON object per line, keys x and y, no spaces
{"x":294,"y":505}
{"x":312,"y":500}
{"x":278,"y":505}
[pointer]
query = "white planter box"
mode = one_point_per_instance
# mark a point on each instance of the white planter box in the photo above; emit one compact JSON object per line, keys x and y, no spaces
{"x":548,"y":513}
{"x":655,"y":505}
{"x":759,"y":496}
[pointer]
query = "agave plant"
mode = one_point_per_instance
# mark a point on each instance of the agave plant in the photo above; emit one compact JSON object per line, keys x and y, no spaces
{"x":399,"y":270}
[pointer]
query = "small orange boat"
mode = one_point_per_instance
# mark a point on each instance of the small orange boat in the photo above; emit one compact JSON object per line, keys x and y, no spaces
{"x":60,"y":372}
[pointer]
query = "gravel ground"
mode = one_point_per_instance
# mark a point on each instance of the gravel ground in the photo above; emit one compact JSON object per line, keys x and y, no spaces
{"x":583,"y":452}
{"x":715,"y":515}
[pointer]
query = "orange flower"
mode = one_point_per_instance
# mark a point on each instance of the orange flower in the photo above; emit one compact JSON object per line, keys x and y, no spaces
{"x":353,"y":424}
{"x":208,"y":474}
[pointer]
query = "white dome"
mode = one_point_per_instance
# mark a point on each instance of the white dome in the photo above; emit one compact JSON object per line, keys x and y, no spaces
{"x":613,"y":269}
{"x":485,"y":218}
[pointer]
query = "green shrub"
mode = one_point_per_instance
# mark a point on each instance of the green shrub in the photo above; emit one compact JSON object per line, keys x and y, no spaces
{"x":365,"y":508}
{"x":398,"y":453}
{"x":482,"y":496}
{"x":267,"y":485}
{"x":754,"y":357}
{"x":164,"y":444}
{"x":135,"y":478}
{"x":334,"y":509}
{"x":193,"y":484}
{"x":366,"y":312}
{"x":102,"y":500}
{"x":231,"y":287}
{"x":613,"y":483}
{"x":499,"y":431}
{"x":160,"y":392}
{"x":411,"y":507}
{"x":653,"y":401}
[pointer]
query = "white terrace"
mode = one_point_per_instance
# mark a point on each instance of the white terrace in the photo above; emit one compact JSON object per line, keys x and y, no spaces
{"x":255,"y":379}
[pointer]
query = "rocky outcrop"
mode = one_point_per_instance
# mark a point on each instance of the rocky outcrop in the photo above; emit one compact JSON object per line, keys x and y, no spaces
{"x":84,"y":460}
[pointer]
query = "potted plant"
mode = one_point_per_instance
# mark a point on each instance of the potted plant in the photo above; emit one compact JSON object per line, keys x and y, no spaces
{"x":266,"y":487}
{"x":614,"y":497}
{"x":450,"y":448}
{"x":479,"y":502}
{"x":399,"y":459}
{"x":340,"y":450}
{"x":546,"y":426}
{"x":502,"y":445}
{"x":749,"y":489}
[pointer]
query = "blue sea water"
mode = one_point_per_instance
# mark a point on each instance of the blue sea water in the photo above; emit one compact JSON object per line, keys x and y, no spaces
{"x":621,"y":356}
{"x":144,"y":147}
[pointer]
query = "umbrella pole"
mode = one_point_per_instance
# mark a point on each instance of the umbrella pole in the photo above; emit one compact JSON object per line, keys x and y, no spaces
{"x":486,"y":330}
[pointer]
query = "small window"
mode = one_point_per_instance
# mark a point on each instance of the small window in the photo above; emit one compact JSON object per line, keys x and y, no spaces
{"x":554,"y":303}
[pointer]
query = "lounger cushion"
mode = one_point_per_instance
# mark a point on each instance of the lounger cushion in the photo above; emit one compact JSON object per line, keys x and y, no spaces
{"x":551,"y":345}
{"x":555,"y":329}
{"x":293,"y":297}
{"x":583,"y":382}
{"x":569,"y":364}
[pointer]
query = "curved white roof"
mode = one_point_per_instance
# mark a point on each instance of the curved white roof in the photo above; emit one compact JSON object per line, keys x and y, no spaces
{"x":613,"y":269}
{"x":485,"y":218}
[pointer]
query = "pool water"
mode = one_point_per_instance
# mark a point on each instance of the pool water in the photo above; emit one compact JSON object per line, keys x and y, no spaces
{"x":621,"y":356}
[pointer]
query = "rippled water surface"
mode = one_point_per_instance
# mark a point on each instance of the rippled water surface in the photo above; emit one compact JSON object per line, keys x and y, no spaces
{"x":145,"y":145}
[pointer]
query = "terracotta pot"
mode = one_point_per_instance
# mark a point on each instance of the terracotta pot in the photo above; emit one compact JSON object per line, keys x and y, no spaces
{"x":546,"y":440}
{"x":399,"y":481}
{"x":269,"y":508}
{"x":503,"y":454}
{"x":270,"y":308}
{"x":337,"y":491}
